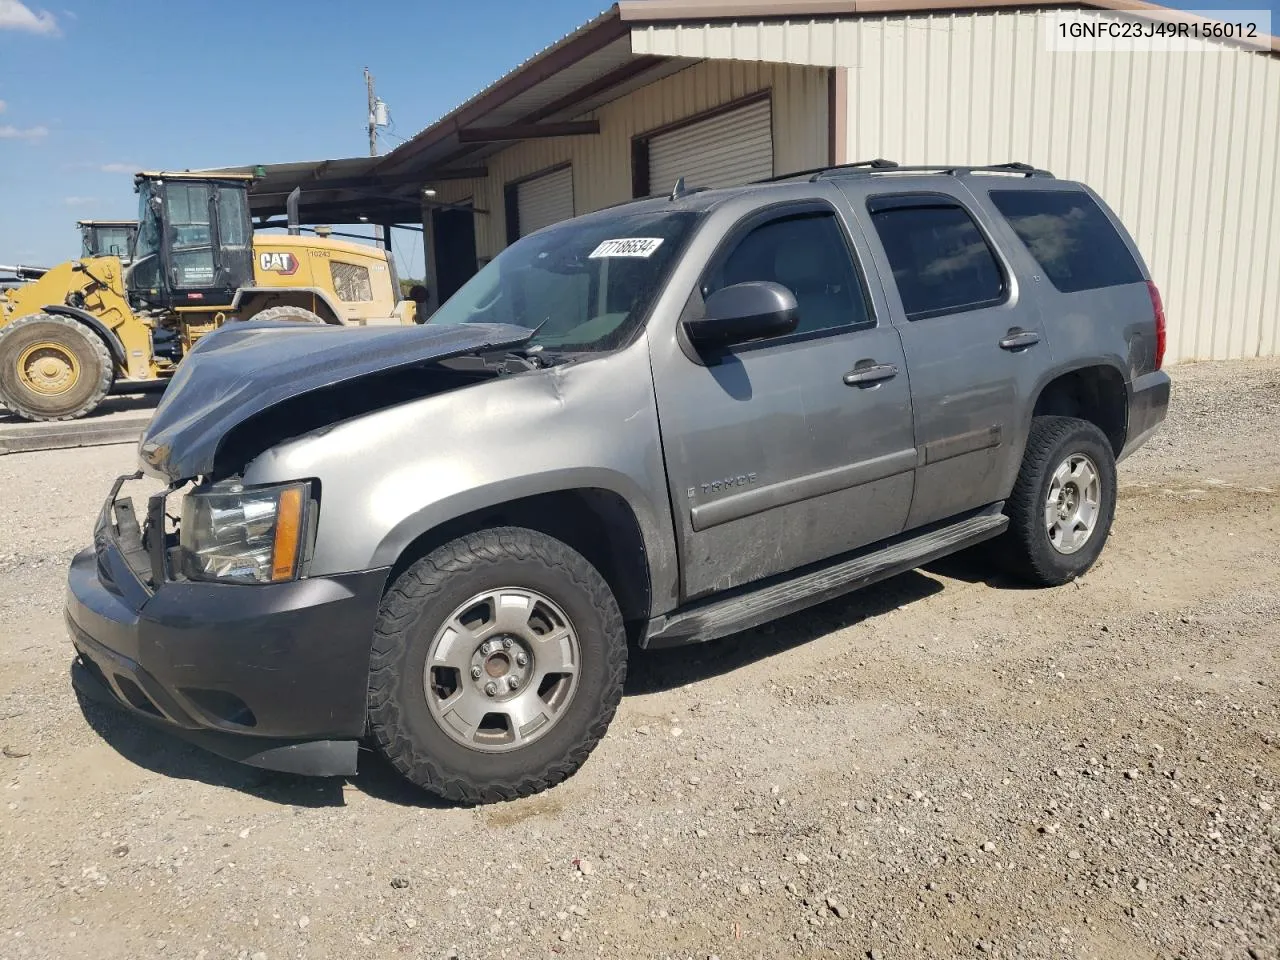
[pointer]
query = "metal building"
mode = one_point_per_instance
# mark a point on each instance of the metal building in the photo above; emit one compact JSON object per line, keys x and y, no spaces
{"x":1183,"y":143}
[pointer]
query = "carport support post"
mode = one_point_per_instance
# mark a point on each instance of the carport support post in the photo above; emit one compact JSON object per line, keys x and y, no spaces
{"x":429,"y":256}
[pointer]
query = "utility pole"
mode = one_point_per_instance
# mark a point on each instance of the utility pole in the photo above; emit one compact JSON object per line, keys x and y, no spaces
{"x":373,"y":113}
{"x":382,"y":236}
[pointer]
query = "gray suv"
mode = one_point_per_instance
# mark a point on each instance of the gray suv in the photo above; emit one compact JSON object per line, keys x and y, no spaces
{"x":658,"y":424}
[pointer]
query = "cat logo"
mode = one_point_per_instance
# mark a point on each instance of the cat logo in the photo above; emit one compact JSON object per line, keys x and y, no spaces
{"x":285,"y":264}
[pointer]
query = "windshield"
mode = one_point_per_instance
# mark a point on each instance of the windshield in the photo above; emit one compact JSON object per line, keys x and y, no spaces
{"x":107,"y":241}
{"x":585,"y":284}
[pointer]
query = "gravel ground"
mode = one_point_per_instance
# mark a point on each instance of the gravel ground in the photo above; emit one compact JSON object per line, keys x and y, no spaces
{"x":943,"y":765}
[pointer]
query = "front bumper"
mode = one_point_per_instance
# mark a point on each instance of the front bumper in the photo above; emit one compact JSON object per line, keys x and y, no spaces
{"x":271,"y":675}
{"x":1148,"y":405}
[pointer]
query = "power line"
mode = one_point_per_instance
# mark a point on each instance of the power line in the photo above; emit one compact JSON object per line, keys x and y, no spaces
{"x":396,"y":252}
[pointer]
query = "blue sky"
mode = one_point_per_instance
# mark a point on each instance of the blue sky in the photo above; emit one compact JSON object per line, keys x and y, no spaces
{"x":92,"y":91}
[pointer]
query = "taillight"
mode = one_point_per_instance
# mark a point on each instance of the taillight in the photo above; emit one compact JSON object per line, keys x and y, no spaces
{"x":1161,"y":333}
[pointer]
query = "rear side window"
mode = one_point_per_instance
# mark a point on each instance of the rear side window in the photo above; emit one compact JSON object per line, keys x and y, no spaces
{"x":941,"y":262}
{"x":1071,"y":238}
{"x":351,"y":281}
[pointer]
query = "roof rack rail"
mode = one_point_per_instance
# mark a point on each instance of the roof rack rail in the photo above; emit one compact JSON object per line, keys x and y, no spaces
{"x":1025,"y":169}
{"x":814,"y":172}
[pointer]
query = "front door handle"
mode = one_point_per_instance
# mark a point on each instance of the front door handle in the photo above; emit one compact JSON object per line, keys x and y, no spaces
{"x":868,"y":372}
{"x":1019,"y":339}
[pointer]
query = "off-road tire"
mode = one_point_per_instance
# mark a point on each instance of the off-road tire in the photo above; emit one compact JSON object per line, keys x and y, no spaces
{"x":97,"y":370}
{"x":414,"y":608}
{"x":292,"y":314}
{"x":1025,"y":550}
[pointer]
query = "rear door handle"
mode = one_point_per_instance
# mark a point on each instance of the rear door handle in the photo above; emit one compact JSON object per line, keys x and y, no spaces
{"x":868,"y":372}
{"x":1019,"y":339}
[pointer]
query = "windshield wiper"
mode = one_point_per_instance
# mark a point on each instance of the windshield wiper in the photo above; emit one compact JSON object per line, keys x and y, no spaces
{"x":532,"y":353}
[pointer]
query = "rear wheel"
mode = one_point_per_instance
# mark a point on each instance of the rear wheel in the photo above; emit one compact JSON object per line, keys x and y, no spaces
{"x":498,"y":662}
{"x":52,"y":368}
{"x":292,"y":314}
{"x":1062,"y":504}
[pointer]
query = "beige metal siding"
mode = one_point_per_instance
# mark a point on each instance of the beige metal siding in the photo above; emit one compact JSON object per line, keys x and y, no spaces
{"x":722,"y":151}
{"x":1178,"y":144}
{"x":815,"y":43}
{"x":1185,"y":147}
{"x":602,"y":163}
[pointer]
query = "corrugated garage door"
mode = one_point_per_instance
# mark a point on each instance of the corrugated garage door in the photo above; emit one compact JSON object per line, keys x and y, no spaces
{"x":724,"y":151}
{"x":544,"y":200}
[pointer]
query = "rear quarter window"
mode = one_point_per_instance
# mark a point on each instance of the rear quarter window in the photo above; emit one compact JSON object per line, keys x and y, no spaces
{"x":1070,"y":237}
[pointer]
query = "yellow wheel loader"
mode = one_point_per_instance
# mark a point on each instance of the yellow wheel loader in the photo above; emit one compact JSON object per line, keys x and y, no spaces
{"x":107,"y":238}
{"x":70,"y":331}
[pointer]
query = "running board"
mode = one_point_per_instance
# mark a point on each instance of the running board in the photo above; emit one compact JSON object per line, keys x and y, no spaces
{"x":721,"y":616}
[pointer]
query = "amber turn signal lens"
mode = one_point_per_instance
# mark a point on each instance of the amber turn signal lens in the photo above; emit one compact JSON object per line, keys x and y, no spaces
{"x":284,"y":555}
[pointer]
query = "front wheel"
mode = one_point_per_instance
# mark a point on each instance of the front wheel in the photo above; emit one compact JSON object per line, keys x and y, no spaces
{"x":53,"y":368}
{"x":498,"y":662}
{"x":1062,"y":504}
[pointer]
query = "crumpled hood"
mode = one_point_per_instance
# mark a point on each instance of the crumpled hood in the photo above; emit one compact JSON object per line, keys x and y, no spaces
{"x":243,"y":369}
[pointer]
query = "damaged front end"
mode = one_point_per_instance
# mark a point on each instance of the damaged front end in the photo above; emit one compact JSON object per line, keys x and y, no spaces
{"x":250,"y":387}
{"x":258,"y":668}
{"x":254,"y":384}
{"x":196,"y":607}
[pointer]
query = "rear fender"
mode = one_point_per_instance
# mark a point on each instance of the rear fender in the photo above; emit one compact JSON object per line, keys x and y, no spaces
{"x":1111,"y":363}
{"x":289,"y":295}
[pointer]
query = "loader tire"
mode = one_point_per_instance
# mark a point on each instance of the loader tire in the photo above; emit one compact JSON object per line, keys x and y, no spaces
{"x":52,"y":368}
{"x":292,"y":314}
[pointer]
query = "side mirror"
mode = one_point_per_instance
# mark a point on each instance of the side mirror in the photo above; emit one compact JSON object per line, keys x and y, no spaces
{"x":745,"y":311}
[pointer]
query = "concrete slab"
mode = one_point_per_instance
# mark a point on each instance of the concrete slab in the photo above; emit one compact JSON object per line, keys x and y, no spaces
{"x":120,"y":419}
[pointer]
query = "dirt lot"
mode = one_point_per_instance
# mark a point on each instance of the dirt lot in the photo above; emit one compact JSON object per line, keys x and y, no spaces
{"x":944,"y":765}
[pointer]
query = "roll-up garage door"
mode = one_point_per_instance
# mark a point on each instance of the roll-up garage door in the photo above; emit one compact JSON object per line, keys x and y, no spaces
{"x":544,"y":200}
{"x":726,"y":150}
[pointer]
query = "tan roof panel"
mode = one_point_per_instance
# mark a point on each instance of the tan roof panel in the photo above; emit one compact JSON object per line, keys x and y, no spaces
{"x":649,"y":11}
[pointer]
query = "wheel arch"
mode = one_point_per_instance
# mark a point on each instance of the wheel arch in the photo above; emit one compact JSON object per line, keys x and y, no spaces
{"x":115,"y":346}
{"x":315,"y":299}
{"x":599,"y":523}
{"x":1093,"y":390}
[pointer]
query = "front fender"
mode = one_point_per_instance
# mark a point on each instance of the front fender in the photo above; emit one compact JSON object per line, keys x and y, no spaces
{"x":388,"y":477}
{"x":114,"y":346}
{"x":489,"y":496}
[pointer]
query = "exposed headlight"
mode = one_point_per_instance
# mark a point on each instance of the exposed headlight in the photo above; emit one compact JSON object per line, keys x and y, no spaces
{"x":238,"y":535}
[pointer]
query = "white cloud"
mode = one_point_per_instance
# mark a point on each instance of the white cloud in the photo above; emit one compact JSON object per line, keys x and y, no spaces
{"x":119,"y":168}
{"x":30,"y":134}
{"x":79,"y":201}
{"x":18,"y":16}
{"x":3,"y":106}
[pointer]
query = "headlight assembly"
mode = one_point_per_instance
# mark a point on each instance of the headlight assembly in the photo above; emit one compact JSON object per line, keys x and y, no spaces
{"x":233,"y":534}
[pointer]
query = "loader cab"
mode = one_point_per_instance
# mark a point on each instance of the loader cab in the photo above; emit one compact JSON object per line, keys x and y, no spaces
{"x":107,"y":238}
{"x":195,"y":241}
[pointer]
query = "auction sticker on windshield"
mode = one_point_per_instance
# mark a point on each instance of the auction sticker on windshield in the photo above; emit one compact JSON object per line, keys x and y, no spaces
{"x":630,"y":247}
